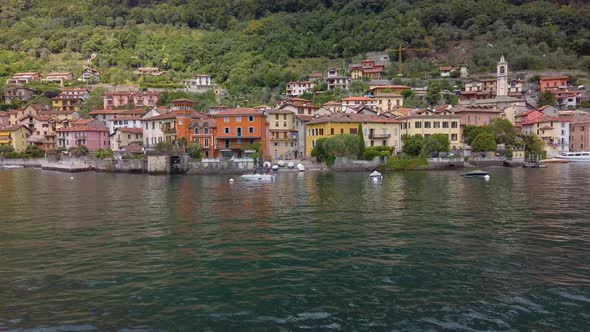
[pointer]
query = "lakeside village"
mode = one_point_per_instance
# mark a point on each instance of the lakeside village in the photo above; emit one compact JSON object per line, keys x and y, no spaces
{"x":494,"y":119}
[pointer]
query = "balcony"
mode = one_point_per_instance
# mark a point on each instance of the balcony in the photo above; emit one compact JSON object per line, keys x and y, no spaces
{"x":167,"y":129}
{"x":379,"y":136}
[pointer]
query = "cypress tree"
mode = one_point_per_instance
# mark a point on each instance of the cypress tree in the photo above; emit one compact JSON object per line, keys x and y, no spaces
{"x":362,"y":142}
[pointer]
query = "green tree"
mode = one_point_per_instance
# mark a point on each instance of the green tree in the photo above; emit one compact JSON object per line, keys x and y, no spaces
{"x":484,"y":142}
{"x":503,"y":131}
{"x":412,"y":145}
{"x":194,"y":150}
{"x":433,"y":93}
{"x":437,"y":143}
{"x":361,"y":140}
{"x":546,"y":98}
{"x":318,"y":150}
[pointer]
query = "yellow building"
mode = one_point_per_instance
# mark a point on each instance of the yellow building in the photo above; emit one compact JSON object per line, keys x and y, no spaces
{"x":66,"y":103}
{"x":283,"y":135}
{"x":15,"y":136}
{"x":427,"y":122}
{"x":388,"y":97}
{"x":377,"y":130}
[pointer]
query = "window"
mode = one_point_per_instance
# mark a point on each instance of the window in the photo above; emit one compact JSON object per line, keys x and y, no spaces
{"x":353,"y":131}
{"x":153,"y":125}
{"x":563,"y":132}
{"x":276,"y":124}
{"x":453,"y":137}
{"x":342,"y":130}
{"x":226,"y":119}
{"x":384,"y":143}
{"x":284,"y":124}
{"x":322,"y":131}
{"x":238,"y":131}
{"x":196,"y":131}
{"x":276,"y":144}
{"x":206,"y":131}
{"x":146,"y":125}
{"x":426,"y":124}
{"x":436,"y":124}
{"x":251,"y":141}
{"x":445,"y":124}
{"x":276,"y":116}
{"x":454,"y":124}
{"x":331,"y":131}
{"x":251,"y":130}
{"x":226,"y":130}
{"x":128,"y":136}
{"x":417,"y":124}
{"x":250,"y":118}
{"x":238,"y":119}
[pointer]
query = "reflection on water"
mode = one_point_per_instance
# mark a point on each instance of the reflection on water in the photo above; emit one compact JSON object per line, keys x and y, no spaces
{"x":326,"y":251}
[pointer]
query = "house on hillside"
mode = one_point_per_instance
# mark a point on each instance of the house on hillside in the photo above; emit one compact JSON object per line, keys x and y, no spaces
{"x":23,"y":78}
{"x":14,"y":94}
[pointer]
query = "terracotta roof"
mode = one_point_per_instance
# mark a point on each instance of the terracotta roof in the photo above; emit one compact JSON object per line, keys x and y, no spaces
{"x":356,"y":118}
{"x":25,"y":74}
{"x":391,"y":87}
{"x":127,"y":117}
{"x":332,"y":103}
{"x":238,"y":111}
{"x":544,"y":119}
{"x":315,"y":75}
{"x":14,"y":127}
{"x":130,"y":130}
{"x":82,"y":122}
{"x":474,"y":108}
{"x":83,"y":128}
{"x":123,"y":112}
{"x":173,"y":115}
{"x":580,"y":119}
{"x":357,"y":99}
{"x":373,"y":70}
{"x":133,"y":148}
{"x":59,"y":74}
{"x":279,"y":111}
{"x":204,"y":122}
{"x":183,"y":100}
{"x":562,"y":77}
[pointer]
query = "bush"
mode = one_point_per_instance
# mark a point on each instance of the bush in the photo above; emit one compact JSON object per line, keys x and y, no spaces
{"x":194,"y":150}
{"x":78,"y":151}
{"x":412,"y":145}
{"x":103,"y":153}
{"x":163,"y":147}
{"x":484,"y":142}
{"x":404,"y":163}
{"x":6,"y":148}
{"x":377,"y":151}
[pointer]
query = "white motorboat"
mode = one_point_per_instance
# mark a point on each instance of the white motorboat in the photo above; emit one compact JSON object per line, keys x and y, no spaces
{"x":291,"y":164}
{"x":281,"y":163}
{"x":259,"y":174}
{"x":275,"y":167}
{"x":582,"y":156}
{"x":11,"y":166}
{"x":375,"y":176}
{"x":300,"y":167}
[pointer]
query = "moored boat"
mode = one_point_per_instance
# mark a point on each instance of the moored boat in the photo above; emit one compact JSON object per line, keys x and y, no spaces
{"x":258,"y":174}
{"x":375,"y":176}
{"x":581,"y":156}
{"x":476,"y":174}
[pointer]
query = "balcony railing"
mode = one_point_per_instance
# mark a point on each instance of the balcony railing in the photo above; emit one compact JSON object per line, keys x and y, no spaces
{"x":378,"y":136}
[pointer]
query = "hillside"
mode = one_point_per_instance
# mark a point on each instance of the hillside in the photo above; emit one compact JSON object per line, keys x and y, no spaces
{"x":249,"y":44}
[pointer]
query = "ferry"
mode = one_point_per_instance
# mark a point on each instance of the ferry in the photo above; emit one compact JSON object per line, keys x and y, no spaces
{"x":582,"y":156}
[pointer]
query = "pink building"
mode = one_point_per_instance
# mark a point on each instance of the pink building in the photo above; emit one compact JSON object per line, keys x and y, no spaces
{"x":92,"y":137}
{"x":131,"y":98}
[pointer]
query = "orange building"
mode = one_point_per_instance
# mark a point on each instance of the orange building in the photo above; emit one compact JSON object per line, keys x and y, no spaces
{"x":237,"y":128}
{"x":183,"y":108}
{"x":204,"y":131}
{"x":553,"y":83}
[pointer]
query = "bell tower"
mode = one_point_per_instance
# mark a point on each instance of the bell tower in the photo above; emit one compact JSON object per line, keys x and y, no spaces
{"x":502,"y":77}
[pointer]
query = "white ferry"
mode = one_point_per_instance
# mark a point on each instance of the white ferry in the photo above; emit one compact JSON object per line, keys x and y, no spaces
{"x":582,"y":156}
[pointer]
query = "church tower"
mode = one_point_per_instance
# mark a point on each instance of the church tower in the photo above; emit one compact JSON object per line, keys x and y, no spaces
{"x":502,"y":77}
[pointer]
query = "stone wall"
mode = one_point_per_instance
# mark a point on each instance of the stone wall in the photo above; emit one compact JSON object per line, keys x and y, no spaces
{"x":121,"y":165}
{"x":347,"y":164}
{"x":158,"y":164}
{"x":33,"y":162}
{"x":445,"y":163}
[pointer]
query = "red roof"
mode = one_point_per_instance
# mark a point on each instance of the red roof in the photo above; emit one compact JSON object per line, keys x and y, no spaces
{"x":130,"y":130}
{"x":548,"y":78}
{"x":544,"y":119}
{"x":83,"y":128}
{"x":238,"y":111}
{"x":357,"y":99}
{"x":13,"y":128}
{"x":122,"y":112}
{"x":357,"y":118}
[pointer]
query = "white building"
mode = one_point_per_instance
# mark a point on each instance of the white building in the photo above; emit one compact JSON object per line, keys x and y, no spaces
{"x":200,"y":83}
{"x":298,"y":88}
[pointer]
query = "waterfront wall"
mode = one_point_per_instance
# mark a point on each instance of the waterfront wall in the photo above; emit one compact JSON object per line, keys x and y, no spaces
{"x":217,"y":166}
{"x":445,"y":163}
{"x":32,"y":162}
{"x":347,"y":164}
{"x":158,"y":164}
{"x":121,"y":165}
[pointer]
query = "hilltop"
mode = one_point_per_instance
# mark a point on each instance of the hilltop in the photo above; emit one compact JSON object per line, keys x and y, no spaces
{"x":252,"y":48}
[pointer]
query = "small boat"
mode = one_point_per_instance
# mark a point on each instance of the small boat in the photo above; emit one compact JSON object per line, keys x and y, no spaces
{"x":275,"y":167}
{"x":476,"y":174}
{"x":300,"y":167}
{"x":553,"y":161}
{"x":375,"y":176}
{"x":291,"y":164}
{"x":582,"y":156}
{"x":259,"y":174}
{"x":267,"y":164}
{"x":281,"y":163}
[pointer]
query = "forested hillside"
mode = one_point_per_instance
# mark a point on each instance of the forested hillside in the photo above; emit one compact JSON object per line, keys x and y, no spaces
{"x":247,"y":44}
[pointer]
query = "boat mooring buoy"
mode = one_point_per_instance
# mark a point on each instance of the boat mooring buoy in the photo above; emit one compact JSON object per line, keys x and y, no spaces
{"x":231,"y":180}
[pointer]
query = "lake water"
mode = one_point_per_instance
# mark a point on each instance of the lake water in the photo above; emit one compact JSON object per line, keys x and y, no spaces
{"x":424,"y":251}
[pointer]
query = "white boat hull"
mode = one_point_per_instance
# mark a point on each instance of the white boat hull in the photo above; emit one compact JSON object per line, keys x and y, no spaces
{"x":578,"y":157}
{"x":258,"y":177}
